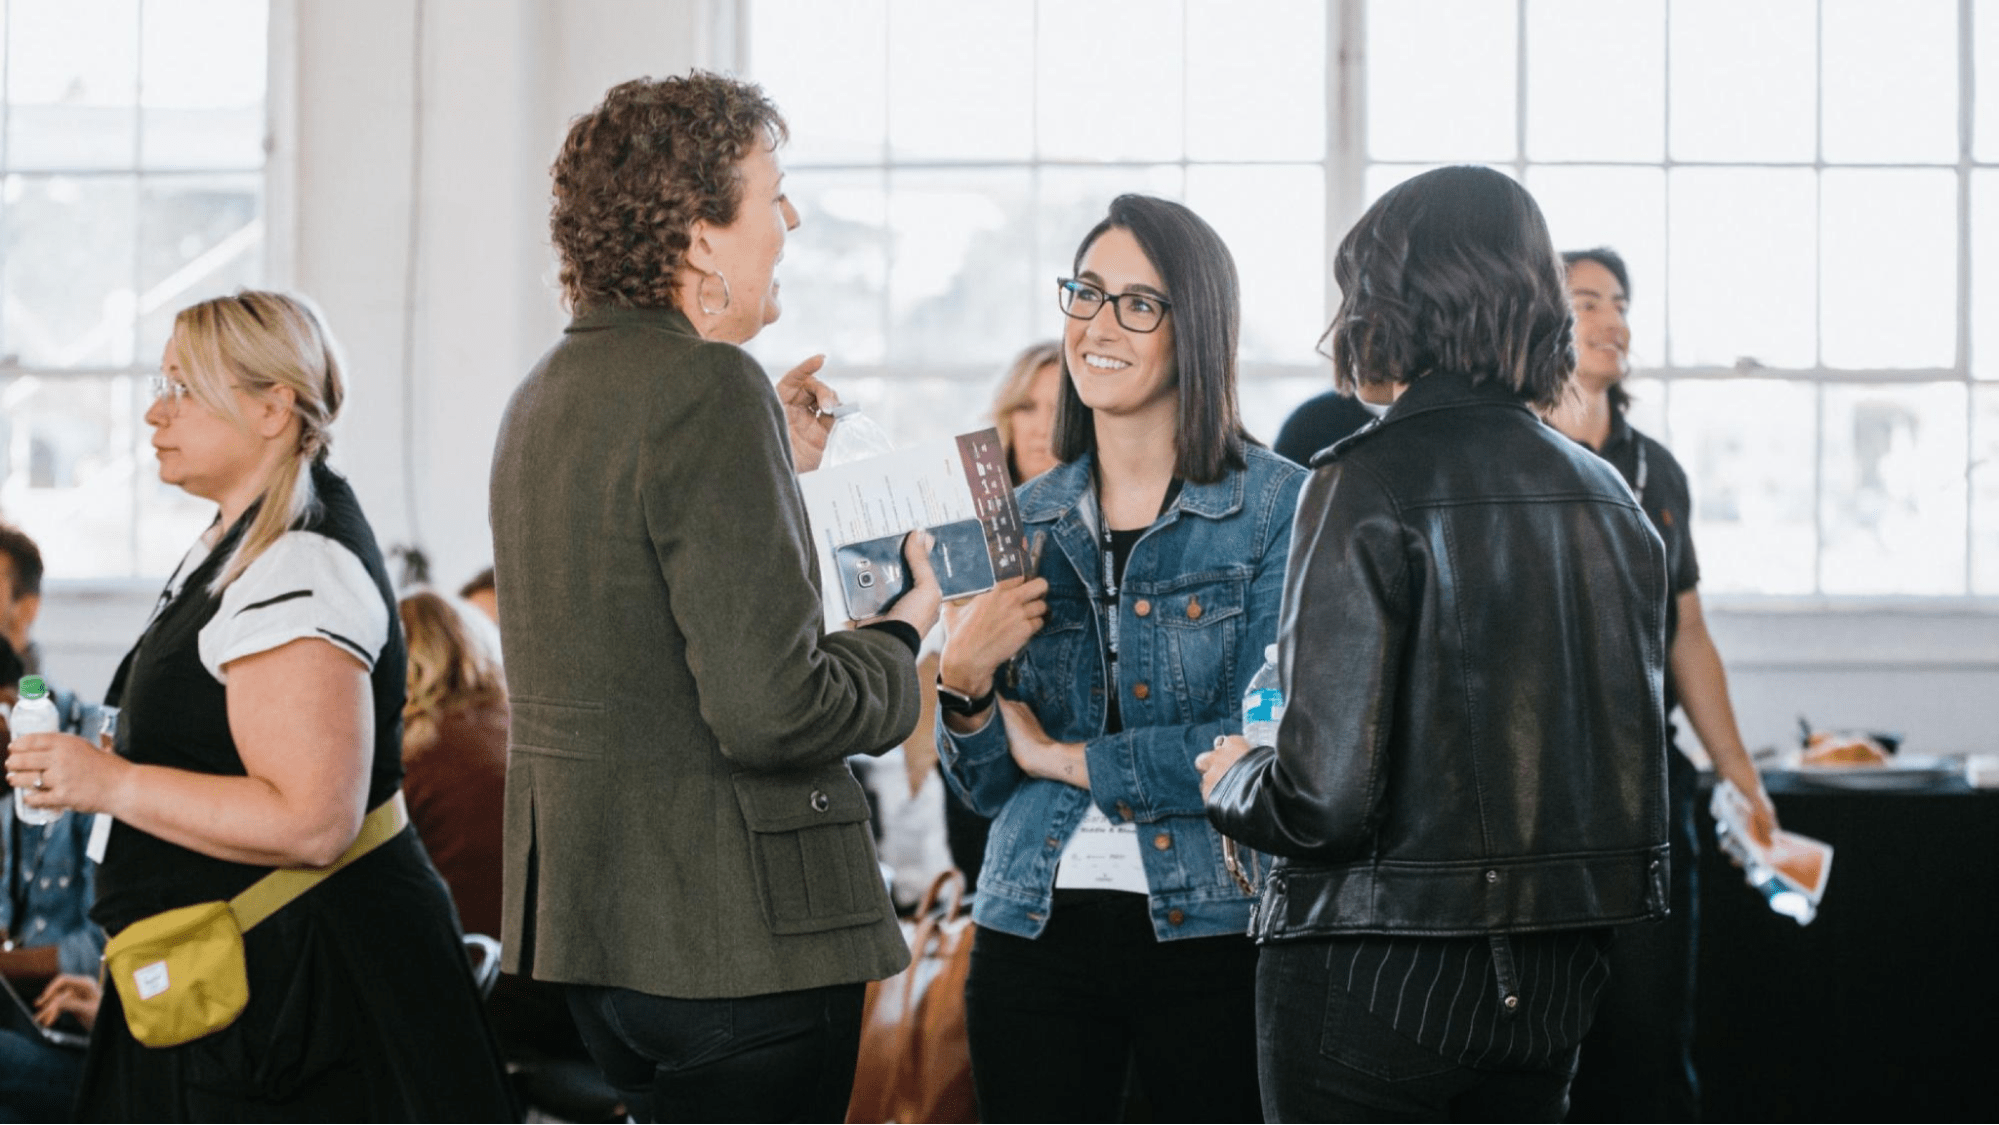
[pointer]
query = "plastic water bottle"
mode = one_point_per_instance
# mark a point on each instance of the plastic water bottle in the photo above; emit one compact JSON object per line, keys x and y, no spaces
{"x":34,"y":714}
{"x":1263,"y":703}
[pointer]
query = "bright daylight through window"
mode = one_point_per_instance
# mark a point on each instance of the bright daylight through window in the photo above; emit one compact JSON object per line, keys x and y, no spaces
{"x":133,"y":162}
{"x":1813,"y":236}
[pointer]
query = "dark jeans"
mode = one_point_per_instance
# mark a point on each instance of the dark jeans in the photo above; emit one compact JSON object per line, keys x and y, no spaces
{"x":1056,"y":1022}
{"x":1637,"y":1062}
{"x":37,"y":1079}
{"x":786,"y":1056}
{"x":1324,"y":1057}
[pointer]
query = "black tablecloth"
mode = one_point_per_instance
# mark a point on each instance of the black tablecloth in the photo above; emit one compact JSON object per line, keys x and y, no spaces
{"x":1887,"y":1006}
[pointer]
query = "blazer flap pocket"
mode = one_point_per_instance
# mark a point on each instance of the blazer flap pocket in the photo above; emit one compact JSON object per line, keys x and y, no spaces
{"x":564,"y":727}
{"x":787,"y":802}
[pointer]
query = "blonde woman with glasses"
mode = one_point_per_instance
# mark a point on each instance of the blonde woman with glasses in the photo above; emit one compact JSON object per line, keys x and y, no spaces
{"x":261,"y":723}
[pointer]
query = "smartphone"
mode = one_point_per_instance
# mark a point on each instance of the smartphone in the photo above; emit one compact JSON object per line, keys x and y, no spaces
{"x":873,"y":574}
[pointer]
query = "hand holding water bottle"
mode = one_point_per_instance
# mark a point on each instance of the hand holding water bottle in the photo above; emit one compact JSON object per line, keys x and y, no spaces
{"x":1262,"y":712}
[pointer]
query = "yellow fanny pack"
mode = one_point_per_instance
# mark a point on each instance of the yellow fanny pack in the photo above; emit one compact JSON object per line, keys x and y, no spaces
{"x":180,"y":974}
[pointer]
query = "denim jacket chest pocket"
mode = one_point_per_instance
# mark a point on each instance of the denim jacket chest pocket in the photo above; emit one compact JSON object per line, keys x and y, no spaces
{"x":1061,"y":665}
{"x":1202,"y":622}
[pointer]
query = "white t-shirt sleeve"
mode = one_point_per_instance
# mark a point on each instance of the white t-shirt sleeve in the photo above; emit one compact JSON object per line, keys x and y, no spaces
{"x":303,"y":585}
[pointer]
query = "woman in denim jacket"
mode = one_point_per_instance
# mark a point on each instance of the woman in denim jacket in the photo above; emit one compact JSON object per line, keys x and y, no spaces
{"x":1072,"y":705}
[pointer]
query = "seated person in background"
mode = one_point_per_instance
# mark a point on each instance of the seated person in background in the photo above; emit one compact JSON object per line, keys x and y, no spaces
{"x":1637,"y":1062}
{"x":455,"y":780}
{"x":45,"y":893}
{"x":481,"y":592}
{"x":1322,"y":420}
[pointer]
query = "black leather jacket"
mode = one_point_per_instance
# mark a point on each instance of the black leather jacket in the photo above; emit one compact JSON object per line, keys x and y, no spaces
{"x":1473,"y":646}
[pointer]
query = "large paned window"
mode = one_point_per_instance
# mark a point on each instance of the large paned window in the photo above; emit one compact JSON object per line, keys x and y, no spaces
{"x":947,"y":158}
{"x":1807,"y":192}
{"x":1807,"y":211}
{"x":132,"y":152}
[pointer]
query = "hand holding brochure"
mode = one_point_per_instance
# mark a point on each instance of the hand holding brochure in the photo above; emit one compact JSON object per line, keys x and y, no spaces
{"x":957,"y":488}
{"x":1790,"y":874}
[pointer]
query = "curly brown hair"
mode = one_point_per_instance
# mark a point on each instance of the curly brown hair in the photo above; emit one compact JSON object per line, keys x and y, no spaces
{"x":635,"y":174}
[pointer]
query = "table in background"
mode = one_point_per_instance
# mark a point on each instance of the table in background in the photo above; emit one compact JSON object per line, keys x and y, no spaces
{"x":1887,"y":1006}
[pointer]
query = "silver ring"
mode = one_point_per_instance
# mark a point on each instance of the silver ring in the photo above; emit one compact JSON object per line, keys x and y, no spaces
{"x":41,"y":779}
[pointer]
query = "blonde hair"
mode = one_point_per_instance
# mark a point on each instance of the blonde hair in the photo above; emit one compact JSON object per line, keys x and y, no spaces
{"x":258,"y":341}
{"x":1015,"y":386}
{"x":448,"y":669}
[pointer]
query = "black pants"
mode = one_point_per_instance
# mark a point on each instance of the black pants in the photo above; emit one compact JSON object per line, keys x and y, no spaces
{"x":786,"y":1056}
{"x":1325,"y":1057}
{"x":1056,"y":1022}
{"x":1637,"y":1062}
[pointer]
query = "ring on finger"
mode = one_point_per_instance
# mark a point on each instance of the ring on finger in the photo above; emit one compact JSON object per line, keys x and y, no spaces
{"x":41,"y":779}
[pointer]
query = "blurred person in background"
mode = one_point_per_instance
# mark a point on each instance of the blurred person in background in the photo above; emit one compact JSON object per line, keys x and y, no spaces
{"x":1468,"y":786}
{"x":1638,"y":1063}
{"x":1322,"y":420}
{"x":261,"y":728}
{"x":45,"y":932}
{"x":480,"y":593}
{"x":687,"y":849}
{"x":1110,"y":933}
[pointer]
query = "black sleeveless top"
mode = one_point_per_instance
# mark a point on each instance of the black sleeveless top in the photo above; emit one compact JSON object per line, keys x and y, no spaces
{"x":174,"y":713}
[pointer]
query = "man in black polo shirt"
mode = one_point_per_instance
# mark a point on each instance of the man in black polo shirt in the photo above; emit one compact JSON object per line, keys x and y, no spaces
{"x":1637,"y":1061}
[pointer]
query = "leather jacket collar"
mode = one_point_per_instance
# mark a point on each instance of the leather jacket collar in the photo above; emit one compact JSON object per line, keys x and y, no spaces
{"x":1441,"y":390}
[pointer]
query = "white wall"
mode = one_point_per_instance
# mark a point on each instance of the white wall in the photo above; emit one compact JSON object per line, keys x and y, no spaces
{"x":501,"y":78}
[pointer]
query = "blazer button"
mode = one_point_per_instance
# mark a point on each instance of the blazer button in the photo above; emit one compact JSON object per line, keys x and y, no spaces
{"x":1176,"y":916}
{"x":820,"y":802}
{"x":1142,"y":607}
{"x":1492,"y":876}
{"x":1162,"y":841}
{"x":1124,"y":810}
{"x":1194,"y":609}
{"x":1140,"y":691}
{"x":1512,"y":1002}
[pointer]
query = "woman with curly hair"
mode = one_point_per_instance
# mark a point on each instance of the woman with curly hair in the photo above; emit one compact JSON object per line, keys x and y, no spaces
{"x":686,"y":847}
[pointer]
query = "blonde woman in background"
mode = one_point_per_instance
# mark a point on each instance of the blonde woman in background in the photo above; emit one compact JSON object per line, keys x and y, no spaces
{"x":261,"y":721}
{"x":1024,"y":409}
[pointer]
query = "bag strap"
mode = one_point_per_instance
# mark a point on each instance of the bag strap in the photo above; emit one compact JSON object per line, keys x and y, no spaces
{"x":275,"y":891}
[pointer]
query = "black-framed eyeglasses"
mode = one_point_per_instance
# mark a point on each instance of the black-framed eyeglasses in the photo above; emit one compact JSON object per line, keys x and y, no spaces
{"x":1137,"y":312}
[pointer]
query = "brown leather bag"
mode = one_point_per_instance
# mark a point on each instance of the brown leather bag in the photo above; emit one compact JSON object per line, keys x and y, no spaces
{"x":916,"y":1063}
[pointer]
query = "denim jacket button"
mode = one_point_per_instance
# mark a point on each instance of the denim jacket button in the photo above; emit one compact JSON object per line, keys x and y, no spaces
{"x":1140,"y":690}
{"x":1194,"y":609}
{"x":1123,"y":810}
{"x":1162,"y":841}
{"x":1176,"y":916}
{"x":1142,"y":607}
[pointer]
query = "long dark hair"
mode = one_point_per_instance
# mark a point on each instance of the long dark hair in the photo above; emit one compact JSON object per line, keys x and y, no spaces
{"x":1620,"y":399}
{"x":1452,"y":271}
{"x":1198,"y":274}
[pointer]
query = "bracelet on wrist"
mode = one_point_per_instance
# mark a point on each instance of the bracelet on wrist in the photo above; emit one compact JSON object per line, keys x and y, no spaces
{"x":956,"y":702}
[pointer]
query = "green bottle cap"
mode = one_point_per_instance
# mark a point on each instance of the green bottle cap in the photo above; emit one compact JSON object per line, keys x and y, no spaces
{"x":32,"y":687}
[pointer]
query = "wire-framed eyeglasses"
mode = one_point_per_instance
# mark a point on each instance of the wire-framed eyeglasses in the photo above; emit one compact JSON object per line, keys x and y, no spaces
{"x":1136,"y":311}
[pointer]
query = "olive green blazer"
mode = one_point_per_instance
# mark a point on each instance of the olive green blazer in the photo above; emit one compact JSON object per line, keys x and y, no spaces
{"x":680,"y":819}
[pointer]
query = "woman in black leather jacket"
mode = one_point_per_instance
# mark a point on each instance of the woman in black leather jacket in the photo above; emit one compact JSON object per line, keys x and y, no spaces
{"x":1468,"y":787}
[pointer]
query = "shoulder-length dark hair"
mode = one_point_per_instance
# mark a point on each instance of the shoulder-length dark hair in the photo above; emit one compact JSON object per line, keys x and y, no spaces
{"x":1452,"y":271}
{"x":1198,"y":274}
{"x":1620,"y":399}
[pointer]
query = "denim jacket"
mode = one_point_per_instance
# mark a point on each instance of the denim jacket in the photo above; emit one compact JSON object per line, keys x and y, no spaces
{"x":1199,"y":603}
{"x":51,"y":877}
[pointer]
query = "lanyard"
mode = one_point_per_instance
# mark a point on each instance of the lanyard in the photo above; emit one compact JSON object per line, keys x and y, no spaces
{"x":1638,"y":486}
{"x":1108,"y":600}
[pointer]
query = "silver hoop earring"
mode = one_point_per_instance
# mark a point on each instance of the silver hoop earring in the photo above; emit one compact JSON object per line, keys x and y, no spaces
{"x":701,"y":294}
